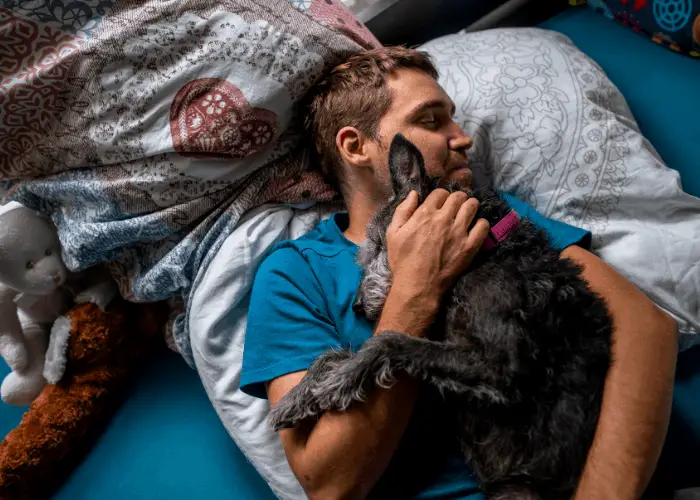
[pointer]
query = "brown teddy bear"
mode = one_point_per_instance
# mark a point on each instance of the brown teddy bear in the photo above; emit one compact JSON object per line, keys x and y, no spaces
{"x":105,"y":350}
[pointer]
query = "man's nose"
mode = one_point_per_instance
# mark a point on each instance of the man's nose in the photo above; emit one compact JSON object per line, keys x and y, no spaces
{"x":461,"y":142}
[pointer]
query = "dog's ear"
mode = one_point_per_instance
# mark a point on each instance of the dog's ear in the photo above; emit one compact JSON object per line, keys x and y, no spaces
{"x":406,"y":166}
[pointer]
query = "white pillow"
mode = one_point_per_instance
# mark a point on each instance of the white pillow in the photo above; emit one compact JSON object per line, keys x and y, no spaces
{"x":550,"y":127}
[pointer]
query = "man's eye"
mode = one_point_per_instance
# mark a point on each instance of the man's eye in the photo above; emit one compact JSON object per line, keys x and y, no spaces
{"x":430,"y":121}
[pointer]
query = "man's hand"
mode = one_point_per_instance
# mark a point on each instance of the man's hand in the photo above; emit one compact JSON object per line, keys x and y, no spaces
{"x":428,"y":247}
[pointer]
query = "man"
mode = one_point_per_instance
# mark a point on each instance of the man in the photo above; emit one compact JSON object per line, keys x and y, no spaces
{"x":301,"y":303}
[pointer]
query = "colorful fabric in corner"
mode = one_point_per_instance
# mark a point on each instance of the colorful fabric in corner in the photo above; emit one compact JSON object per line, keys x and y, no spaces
{"x":675,"y":24}
{"x":146,"y":128}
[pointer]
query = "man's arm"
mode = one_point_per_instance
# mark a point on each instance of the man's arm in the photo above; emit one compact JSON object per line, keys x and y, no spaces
{"x":638,"y":390}
{"x":342,"y":455}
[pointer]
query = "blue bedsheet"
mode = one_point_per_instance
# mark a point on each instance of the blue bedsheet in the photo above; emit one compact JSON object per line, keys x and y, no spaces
{"x":166,"y":442}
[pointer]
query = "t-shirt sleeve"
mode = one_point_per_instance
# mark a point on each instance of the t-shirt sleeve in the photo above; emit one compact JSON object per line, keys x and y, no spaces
{"x":561,"y":235}
{"x":288,"y":322}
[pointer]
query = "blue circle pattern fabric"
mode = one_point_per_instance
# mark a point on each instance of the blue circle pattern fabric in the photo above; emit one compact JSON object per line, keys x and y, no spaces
{"x":674,"y":24}
{"x":672,"y":15}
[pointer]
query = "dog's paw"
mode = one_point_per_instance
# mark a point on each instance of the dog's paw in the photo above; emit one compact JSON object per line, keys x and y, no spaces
{"x":331,"y":384}
{"x":345,"y":383}
{"x":342,"y":394}
{"x":289,"y":413}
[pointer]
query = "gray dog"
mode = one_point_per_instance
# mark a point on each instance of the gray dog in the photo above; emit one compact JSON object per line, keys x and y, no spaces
{"x":520,"y":351}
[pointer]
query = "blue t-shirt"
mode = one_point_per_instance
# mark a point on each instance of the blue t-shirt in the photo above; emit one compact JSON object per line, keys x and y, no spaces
{"x":301,"y":306}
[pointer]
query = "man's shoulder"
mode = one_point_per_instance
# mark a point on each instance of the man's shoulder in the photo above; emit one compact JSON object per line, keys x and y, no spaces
{"x":325,"y":240}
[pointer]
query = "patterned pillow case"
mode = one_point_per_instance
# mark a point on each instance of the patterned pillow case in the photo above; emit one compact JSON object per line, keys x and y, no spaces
{"x":550,"y":127}
{"x":672,"y":23}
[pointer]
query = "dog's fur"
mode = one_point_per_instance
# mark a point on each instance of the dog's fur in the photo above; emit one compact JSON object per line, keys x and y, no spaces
{"x":520,"y":351}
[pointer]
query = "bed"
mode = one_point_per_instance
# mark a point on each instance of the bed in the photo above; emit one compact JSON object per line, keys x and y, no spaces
{"x":167,"y":441}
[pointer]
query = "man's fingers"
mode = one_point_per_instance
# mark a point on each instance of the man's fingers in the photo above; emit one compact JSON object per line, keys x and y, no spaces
{"x":405,"y":210}
{"x":436,"y":199}
{"x":466,"y":214}
{"x":477,"y":236}
{"x":453,"y":204}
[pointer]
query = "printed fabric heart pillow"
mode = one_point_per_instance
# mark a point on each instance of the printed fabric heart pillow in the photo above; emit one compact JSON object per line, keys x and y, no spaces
{"x":550,"y":128}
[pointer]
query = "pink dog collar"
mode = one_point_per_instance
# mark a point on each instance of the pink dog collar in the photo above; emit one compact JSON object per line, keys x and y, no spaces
{"x":501,"y":230}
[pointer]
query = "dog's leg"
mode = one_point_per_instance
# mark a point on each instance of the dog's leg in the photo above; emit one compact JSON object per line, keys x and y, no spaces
{"x":302,"y":402}
{"x":339,"y":379}
{"x":449,"y":368}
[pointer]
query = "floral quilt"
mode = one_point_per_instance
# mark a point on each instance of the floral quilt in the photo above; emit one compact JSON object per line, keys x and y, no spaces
{"x":145,"y":129}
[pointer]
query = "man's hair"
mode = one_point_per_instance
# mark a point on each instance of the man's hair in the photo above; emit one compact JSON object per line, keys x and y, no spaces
{"x":355,"y":94}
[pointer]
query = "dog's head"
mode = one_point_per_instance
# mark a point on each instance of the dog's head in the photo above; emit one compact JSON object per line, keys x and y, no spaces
{"x":407,"y":173}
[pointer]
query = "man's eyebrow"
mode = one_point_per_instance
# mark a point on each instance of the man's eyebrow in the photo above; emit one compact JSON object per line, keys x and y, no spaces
{"x":433,"y":103}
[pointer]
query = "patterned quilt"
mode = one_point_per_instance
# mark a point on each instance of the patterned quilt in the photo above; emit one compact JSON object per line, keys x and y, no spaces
{"x":145,"y":129}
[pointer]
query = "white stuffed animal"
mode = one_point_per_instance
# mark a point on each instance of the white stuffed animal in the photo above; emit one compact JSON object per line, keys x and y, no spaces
{"x":32,"y":296}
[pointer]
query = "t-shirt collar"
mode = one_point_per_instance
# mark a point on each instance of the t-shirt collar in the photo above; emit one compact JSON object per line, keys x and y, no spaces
{"x":339,"y":222}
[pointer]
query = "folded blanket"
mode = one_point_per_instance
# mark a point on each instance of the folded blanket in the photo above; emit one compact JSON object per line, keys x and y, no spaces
{"x":145,"y":129}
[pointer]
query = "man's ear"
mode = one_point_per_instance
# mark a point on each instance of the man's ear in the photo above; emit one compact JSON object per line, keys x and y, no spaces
{"x":352,"y":148}
{"x":406,"y":166}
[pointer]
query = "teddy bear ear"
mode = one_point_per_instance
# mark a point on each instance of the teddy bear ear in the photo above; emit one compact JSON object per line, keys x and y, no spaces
{"x":406,"y":166}
{"x":12,"y":205}
{"x":6,"y":207}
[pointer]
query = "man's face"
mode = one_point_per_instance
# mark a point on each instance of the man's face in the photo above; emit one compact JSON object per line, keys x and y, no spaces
{"x":422,"y":112}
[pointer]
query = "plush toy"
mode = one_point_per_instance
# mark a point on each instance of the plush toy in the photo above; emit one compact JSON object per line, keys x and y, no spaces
{"x":88,"y":357}
{"x":35,"y":289}
{"x":104,"y":351}
{"x":33,"y":293}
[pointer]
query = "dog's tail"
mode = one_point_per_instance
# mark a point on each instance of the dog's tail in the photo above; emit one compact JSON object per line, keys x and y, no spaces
{"x":450,"y":368}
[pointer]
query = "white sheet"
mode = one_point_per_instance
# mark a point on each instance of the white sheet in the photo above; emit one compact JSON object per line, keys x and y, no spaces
{"x":217,"y":329}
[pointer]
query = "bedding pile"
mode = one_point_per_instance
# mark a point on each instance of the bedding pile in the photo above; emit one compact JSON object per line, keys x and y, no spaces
{"x":145,"y":129}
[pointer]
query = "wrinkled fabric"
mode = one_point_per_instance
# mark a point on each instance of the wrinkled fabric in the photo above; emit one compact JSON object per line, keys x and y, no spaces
{"x":218,"y":327}
{"x":145,"y":129}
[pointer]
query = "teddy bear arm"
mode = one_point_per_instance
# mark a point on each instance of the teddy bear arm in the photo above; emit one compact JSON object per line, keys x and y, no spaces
{"x":12,"y":347}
